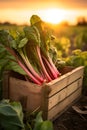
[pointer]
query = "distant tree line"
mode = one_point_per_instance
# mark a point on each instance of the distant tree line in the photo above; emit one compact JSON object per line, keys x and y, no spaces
{"x":7,"y":23}
{"x":81,"y":21}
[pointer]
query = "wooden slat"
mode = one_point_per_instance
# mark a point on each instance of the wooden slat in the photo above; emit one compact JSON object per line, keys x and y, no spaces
{"x":74,"y":86}
{"x":61,"y":95}
{"x":55,"y":99}
{"x":5,"y":88}
{"x":76,"y":73}
{"x":62,"y":106}
{"x":27,"y":93}
{"x":58,"y":84}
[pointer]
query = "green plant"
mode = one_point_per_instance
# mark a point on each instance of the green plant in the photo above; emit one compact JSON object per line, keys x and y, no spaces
{"x":34,"y":121}
{"x":12,"y":117}
{"x":79,"y":58}
{"x":81,"y":40}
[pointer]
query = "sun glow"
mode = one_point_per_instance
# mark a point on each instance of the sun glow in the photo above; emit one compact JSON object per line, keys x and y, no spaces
{"x":54,"y":15}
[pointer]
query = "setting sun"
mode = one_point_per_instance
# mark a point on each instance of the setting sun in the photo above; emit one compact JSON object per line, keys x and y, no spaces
{"x":54,"y":15}
{"x":51,"y":11}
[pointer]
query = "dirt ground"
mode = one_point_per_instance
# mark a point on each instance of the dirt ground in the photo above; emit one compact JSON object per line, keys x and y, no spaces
{"x":75,"y":118}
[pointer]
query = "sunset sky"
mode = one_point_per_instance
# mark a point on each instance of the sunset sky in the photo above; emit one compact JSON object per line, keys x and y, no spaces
{"x":54,"y":11}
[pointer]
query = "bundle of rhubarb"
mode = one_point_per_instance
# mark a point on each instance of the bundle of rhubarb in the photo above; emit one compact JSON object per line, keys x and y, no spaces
{"x":28,"y":52}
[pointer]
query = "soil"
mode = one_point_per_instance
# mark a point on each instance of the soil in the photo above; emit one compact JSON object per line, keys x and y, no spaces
{"x":73,"y":119}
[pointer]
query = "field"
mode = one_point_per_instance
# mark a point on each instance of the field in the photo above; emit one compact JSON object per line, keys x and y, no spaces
{"x":71,"y":47}
{"x":70,"y":37}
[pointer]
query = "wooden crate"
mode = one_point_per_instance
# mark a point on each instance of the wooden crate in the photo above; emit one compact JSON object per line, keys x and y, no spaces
{"x":52,"y":98}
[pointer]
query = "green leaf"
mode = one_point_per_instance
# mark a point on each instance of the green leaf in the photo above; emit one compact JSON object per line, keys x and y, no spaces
{"x":38,"y":121}
{"x":13,"y":44}
{"x":18,"y":108}
{"x":16,"y":68}
{"x":5,"y":38}
{"x":42,"y":125}
{"x":23,"y":42}
{"x":43,"y":32}
{"x":34,"y":19}
{"x":33,"y":35}
{"x":39,"y":117}
{"x":47,"y":125}
{"x":11,"y":116}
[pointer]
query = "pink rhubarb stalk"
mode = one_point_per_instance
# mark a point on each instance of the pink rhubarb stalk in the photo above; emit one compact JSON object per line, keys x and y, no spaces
{"x":42,"y":65}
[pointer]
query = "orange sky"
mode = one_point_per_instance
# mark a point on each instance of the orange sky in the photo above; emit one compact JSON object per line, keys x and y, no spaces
{"x":19,"y":11}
